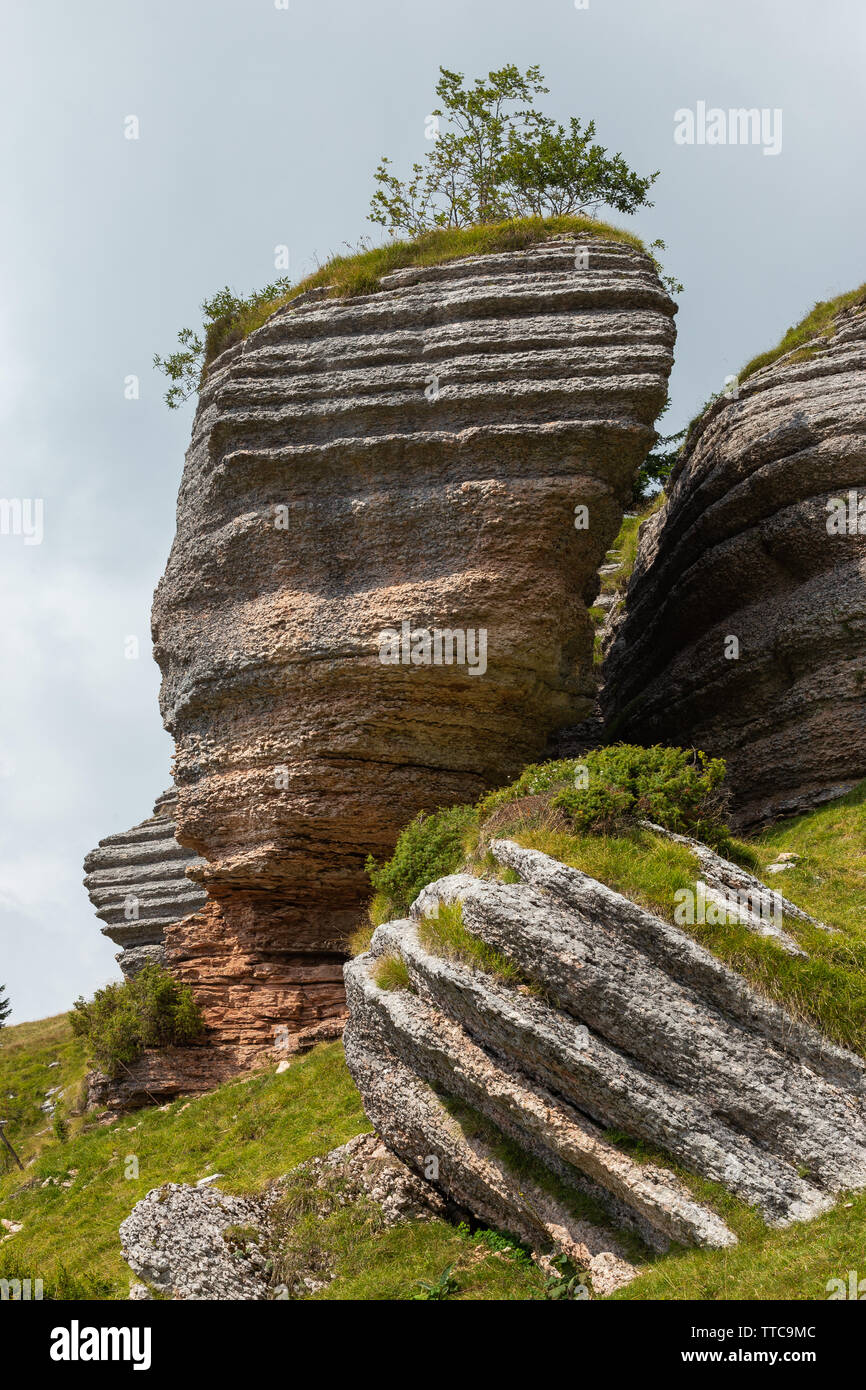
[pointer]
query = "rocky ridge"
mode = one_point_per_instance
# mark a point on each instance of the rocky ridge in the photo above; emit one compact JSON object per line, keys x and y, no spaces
{"x":138,"y":885}
{"x":741,"y":549}
{"x":624,"y":1023}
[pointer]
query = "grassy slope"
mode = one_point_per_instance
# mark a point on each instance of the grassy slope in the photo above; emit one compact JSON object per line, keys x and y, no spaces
{"x":255,"y":1129}
{"x":818,"y":323}
{"x":360,"y":272}
{"x":252,"y":1131}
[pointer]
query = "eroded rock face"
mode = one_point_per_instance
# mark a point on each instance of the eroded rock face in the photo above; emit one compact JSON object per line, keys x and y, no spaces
{"x":137,"y":883}
{"x":741,"y":550}
{"x":413,"y":456}
{"x":623,"y":1023}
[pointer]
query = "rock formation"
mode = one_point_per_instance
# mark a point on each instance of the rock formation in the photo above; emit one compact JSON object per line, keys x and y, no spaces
{"x":201,"y":1243}
{"x":409,"y":462}
{"x":741,"y":550}
{"x":623,"y":1023}
{"x":138,"y":885}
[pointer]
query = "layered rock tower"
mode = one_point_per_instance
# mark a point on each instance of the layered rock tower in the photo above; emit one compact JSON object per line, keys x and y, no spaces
{"x":762,"y":540}
{"x":412,"y":461}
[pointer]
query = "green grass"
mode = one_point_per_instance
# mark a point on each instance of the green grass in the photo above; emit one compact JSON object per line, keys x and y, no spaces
{"x":444,"y":934}
{"x":795,"y":1263}
{"x":626,"y":543}
{"x":391,"y":972}
{"x":827,"y":988}
{"x":321,"y":1233}
{"x":818,"y":324}
{"x":360,"y":272}
{"x":34,"y":1058}
{"x":252,"y":1131}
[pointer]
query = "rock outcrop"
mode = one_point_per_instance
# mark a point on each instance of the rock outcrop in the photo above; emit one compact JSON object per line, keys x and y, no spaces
{"x":744,"y":631}
{"x":201,"y":1243}
{"x":138,"y":885}
{"x":375,"y":603}
{"x":622,"y":1023}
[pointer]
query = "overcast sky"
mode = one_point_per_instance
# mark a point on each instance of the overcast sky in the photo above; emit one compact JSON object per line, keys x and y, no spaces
{"x":262,"y":126}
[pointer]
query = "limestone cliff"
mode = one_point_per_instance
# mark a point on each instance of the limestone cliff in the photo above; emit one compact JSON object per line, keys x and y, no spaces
{"x":751,"y":545}
{"x":410,"y":462}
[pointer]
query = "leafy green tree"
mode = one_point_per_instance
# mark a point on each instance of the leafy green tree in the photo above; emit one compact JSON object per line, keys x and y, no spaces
{"x":657,"y":466}
{"x":500,"y":157}
{"x":222,"y":311}
{"x":5,"y":1006}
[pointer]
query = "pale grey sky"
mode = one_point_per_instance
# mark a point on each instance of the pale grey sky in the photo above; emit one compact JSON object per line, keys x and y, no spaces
{"x":261,"y":126}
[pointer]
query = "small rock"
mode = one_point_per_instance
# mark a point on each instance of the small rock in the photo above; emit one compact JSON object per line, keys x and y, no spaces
{"x":283,"y":1066}
{"x":203,"y":1182}
{"x":139,"y":1291}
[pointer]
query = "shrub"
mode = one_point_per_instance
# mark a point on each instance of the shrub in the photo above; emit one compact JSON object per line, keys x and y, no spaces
{"x":151,"y":1010}
{"x":680,"y":789}
{"x":429,"y":847}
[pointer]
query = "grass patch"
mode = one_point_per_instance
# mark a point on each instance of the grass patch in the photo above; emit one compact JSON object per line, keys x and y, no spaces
{"x":626,"y":543}
{"x":360,"y":271}
{"x":810,"y":333}
{"x":445,"y":935}
{"x":795,"y":1263}
{"x":391,"y":972}
{"x":35,"y":1058}
{"x":251,"y":1130}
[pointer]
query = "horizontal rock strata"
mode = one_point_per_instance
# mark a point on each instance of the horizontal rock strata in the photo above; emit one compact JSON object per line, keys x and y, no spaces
{"x":137,"y":883}
{"x":413,"y":456}
{"x":625,"y":1024}
{"x":741,"y":550}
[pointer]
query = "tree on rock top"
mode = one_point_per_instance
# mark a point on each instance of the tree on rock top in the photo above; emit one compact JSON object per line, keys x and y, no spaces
{"x":499,"y":157}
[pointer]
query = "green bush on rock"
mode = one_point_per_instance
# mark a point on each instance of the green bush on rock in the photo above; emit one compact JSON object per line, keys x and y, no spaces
{"x":430,"y":847}
{"x":151,"y":1010}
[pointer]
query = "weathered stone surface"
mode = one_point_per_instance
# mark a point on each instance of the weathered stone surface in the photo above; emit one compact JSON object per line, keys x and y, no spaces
{"x":741,"y":549}
{"x":158,"y":1075}
{"x":174,"y":1240}
{"x":137,"y":883}
{"x":745,"y":898}
{"x":181,"y":1240}
{"x":332,"y":492}
{"x":638,"y":1029}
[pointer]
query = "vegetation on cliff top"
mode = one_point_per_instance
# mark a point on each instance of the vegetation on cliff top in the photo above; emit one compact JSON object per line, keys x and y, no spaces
{"x":818,"y":324}
{"x":230,"y":317}
{"x":499,"y":157}
{"x":597,"y":828}
{"x":499,"y":177}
